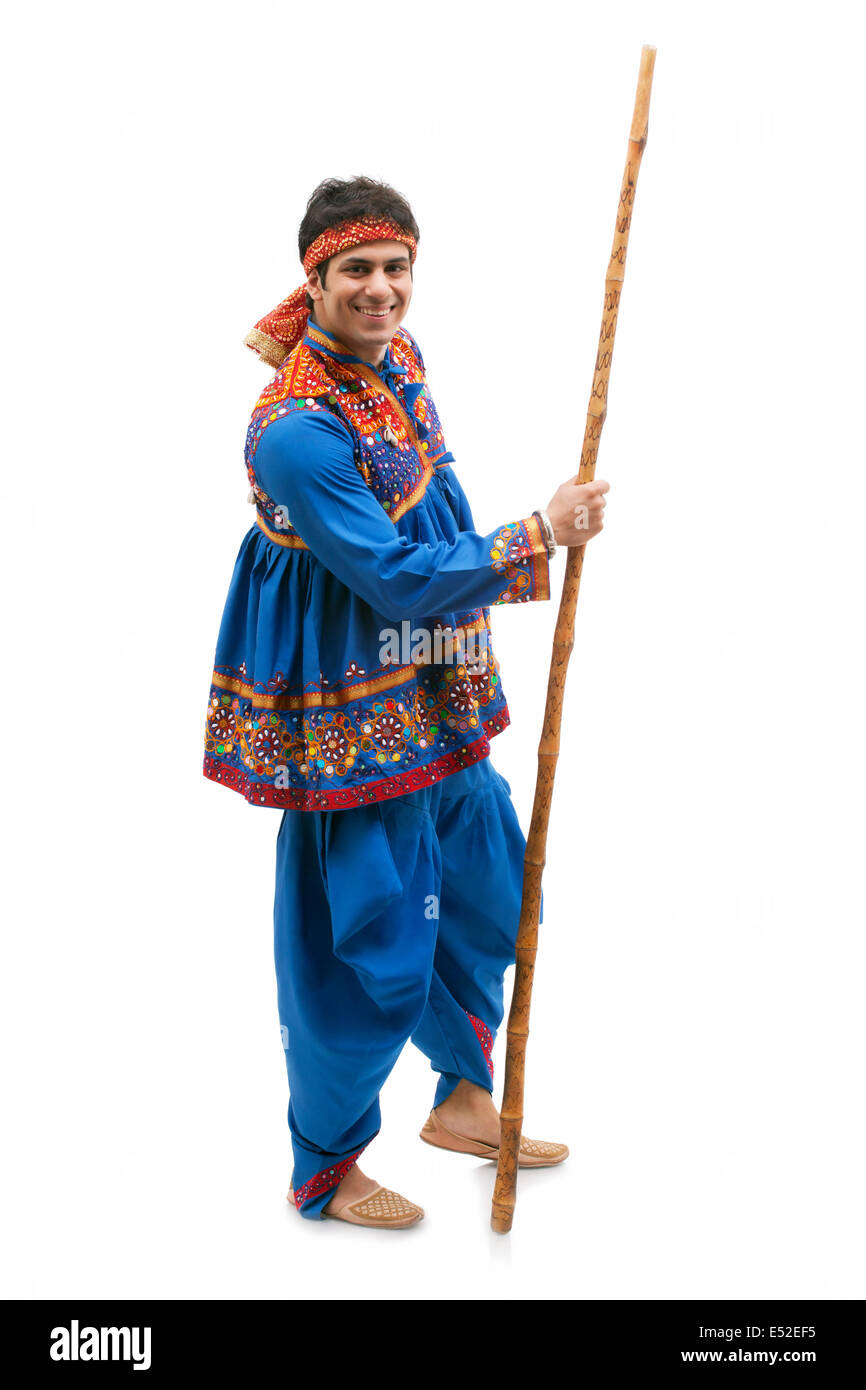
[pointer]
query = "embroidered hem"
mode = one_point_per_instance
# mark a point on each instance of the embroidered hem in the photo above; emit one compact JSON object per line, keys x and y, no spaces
{"x":315,"y":799}
{"x":326,"y":1179}
{"x":485,"y":1037}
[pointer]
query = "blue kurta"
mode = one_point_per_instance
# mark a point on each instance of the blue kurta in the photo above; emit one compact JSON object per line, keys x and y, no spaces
{"x":399,"y":855}
{"x":354,"y":660}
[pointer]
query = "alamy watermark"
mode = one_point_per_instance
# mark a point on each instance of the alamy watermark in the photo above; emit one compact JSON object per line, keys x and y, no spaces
{"x":421,"y":646}
{"x":76,"y":1343}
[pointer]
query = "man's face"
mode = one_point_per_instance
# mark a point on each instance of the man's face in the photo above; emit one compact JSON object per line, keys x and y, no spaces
{"x":365,"y":297}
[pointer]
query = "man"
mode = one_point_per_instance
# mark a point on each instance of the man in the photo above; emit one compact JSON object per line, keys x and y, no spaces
{"x":355,"y":687}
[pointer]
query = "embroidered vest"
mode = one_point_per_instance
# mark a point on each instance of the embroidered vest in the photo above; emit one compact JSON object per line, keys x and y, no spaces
{"x":398,"y":442}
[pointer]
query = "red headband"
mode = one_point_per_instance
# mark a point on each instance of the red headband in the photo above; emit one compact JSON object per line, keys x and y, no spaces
{"x":276,"y":334}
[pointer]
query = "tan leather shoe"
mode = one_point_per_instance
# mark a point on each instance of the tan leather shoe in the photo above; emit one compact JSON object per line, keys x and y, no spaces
{"x":382,"y":1209}
{"x":534,"y":1153}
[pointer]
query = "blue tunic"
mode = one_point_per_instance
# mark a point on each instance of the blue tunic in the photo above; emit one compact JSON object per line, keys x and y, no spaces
{"x":354,"y":661}
{"x":354,"y":673}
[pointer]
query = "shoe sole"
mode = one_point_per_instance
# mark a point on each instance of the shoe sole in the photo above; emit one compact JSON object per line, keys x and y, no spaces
{"x":474,"y":1149}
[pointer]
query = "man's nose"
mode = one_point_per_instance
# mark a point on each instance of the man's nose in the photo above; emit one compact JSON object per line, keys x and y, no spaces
{"x":378,"y":285}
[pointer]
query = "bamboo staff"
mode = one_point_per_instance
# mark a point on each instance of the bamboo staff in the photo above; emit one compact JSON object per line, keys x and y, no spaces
{"x":563,"y":640}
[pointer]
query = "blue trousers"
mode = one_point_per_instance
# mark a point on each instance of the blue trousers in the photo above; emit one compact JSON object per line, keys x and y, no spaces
{"x":392,"y":920}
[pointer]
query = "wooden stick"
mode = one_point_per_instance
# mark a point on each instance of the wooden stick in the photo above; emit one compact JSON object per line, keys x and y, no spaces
{"x":504,"y":1195}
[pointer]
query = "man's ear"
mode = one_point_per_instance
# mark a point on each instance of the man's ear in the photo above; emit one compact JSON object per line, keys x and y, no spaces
{"x":314,"y":289}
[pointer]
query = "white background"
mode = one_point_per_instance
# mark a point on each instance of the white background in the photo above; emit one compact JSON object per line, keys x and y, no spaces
{"x":697,"y":1017}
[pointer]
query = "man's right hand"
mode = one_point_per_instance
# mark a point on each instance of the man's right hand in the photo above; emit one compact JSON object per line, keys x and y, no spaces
{"x":576,"y":511}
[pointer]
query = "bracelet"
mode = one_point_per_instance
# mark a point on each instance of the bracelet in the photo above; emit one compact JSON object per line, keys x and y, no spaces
{"x":548,"y":532}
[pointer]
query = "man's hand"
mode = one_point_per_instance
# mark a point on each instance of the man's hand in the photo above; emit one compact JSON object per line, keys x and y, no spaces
{"x":576,"y":511}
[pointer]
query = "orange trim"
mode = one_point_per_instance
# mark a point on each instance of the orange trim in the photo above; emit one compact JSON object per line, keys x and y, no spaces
{"x":537,"y":536}
{"x":313,"y":699}
{"x":291,"y":542}
{"x":541,"y":572}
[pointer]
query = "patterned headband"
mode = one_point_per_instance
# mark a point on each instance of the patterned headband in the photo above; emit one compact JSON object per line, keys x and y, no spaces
{"x":276,"y":334}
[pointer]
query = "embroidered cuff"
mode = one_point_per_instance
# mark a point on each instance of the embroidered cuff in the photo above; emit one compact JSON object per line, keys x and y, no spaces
{"x":520,"y":552}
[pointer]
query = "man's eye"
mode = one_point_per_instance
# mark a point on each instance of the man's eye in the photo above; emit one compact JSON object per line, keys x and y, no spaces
{"x":362,"y":269}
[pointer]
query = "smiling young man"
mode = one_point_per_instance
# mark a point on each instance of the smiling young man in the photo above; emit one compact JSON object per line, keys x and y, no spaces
{"x":379,"y":761}
{"x":367,"y":295}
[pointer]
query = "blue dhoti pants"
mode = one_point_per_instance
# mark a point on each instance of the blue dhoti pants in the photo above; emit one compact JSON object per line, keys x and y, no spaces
{"x":392,"y":920}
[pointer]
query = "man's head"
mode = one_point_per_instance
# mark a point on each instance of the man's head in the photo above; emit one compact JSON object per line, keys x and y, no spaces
{"x":362,"y":294}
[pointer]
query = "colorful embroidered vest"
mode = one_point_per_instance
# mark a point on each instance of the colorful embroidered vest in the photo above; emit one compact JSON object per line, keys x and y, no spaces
{"x":397,"y":434}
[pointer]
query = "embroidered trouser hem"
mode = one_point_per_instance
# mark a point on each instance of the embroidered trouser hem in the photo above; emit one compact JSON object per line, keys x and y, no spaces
{"x":392,"y":920}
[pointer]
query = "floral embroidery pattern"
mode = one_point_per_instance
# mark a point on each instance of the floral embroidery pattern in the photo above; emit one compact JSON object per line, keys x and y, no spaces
{"x":332,"y":745}
{"x":286,"y":757}
{"x":258,"y":739}
{"x":384,"y":729}
{"x":303,"y":781}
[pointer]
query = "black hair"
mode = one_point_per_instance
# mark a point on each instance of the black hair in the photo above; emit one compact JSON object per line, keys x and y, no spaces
{"x":348,"y":200}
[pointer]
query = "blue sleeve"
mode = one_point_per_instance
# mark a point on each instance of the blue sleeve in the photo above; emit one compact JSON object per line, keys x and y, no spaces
{"x":460,"y":505}
{"x":305,"y":462}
